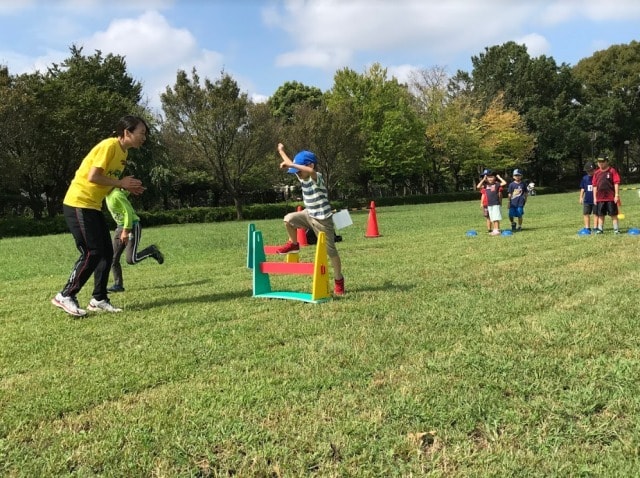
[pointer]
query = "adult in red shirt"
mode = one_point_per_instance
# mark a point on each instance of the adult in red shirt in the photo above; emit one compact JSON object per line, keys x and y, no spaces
{"x":606,"y":181}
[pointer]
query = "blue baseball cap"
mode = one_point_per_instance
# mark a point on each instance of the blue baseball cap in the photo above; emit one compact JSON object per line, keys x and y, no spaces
{"x":517,"y":172}
{"x":303,"y":158}
{"x":487,"y":172}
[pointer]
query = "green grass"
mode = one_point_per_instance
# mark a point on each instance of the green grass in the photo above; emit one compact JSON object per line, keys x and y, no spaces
{"x":449,"y":355}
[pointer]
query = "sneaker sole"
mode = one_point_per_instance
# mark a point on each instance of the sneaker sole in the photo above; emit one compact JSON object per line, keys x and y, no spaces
{"x":79,"y":313}
{"x":290,"y":252}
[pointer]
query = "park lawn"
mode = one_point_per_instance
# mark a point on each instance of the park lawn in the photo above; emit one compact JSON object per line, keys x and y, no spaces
{"x":449,"y":356}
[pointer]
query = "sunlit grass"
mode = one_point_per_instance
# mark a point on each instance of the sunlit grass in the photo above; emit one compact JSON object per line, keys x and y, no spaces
{"x":449,"y":356}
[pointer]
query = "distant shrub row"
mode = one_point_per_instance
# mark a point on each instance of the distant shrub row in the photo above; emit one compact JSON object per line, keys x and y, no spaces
{"x":22,"y":226}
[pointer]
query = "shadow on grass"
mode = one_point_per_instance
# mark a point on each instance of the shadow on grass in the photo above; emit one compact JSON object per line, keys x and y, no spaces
{"x":386,"y":287}
{"x":207,"y":298}
{"x":227,"y":296}
{"x":176,"y":284}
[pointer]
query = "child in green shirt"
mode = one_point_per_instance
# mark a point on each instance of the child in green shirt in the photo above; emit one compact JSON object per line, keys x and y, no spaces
{"x":127,"y":235}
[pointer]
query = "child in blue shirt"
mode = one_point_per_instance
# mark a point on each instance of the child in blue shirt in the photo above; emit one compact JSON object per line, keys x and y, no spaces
{"x":586,"y":196}
{"x":517,"y":193}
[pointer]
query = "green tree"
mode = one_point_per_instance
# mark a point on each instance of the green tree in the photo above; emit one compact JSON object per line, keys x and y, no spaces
{"x":221,"y":129}
{"x":504,"y":138}
{"x":393,"y":152}
{"x":333,"y":134}
{"x":61,"y":114}
{"x":610,"y":81}
{"x":542,"y":92}
{"x":14,"y":102}
{"x":292,"y":94}
{"x":453,"y":139}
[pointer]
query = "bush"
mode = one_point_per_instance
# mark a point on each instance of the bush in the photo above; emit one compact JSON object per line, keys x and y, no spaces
{"x":20,"y":226}
{"x":26,"y":226}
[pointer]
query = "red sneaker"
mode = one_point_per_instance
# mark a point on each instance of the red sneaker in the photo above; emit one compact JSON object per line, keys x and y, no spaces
{"x":288,"y":248}
{"x":338,"y":289}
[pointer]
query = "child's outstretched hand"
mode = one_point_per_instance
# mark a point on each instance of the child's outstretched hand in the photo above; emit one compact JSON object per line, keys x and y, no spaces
{"x":286,"y":162}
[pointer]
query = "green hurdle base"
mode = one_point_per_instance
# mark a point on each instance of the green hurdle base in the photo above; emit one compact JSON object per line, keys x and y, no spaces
{"x":301,"y":296}
{"x":256,"y":261}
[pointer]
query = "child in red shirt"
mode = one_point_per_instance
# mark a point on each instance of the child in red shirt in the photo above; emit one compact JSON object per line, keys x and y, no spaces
{"x":606,"y":181}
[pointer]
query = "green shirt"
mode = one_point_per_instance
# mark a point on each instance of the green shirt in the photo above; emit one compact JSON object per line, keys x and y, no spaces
{"x":121,"y":209}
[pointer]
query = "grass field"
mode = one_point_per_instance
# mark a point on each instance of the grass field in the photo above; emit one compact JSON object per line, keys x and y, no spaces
{"x":449,"y":355}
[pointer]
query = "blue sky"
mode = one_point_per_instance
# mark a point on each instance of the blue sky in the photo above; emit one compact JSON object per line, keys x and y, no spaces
{"x":264,"y":43}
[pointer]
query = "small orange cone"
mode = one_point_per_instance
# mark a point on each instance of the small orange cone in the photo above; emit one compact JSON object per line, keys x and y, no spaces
{"x":301,"y":233}
{"x":372,"y":224}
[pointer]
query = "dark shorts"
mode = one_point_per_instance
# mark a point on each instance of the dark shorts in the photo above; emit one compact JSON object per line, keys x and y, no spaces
{"x":516,"y":211}
{"x":588,"y":209}
{"x":607,"y":208}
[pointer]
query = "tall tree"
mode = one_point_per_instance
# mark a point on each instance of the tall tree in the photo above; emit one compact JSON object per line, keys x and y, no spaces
{"x":66,"y":111}
{"x":392,"y":152}
{"x":221,"y":128}
{"x":292,"y":94}
{"x":505,"y":140}
{"x":610,"y":110}
{"x":542,"y":92}
{"x":333,"y":134}
{"x":15,"y":103}
{"x":453,"y":141}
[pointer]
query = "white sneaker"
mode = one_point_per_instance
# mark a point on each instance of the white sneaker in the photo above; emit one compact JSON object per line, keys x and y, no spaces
{"x":69,"y":305}
{"x":102,"y":306}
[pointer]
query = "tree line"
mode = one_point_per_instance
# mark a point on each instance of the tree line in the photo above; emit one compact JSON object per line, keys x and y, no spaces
{"x":212,"y":145}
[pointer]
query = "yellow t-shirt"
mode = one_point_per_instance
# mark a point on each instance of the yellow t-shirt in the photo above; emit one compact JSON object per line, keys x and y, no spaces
{"x":108,"y":156}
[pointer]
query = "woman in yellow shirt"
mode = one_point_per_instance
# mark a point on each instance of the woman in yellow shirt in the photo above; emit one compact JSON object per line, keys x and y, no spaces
{"x":100,"y":171}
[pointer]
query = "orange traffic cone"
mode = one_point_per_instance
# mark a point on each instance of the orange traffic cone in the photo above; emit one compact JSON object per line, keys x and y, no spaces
{"x":301,"y":233}
{"x":372,"y":224}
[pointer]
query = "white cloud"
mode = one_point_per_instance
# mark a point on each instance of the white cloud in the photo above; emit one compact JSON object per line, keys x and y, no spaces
{"x":402,"y":73}
{"x":9,"y":7}
{"x":19,"y":63}
{"x":256,"y":98}
{"x":320,"y":28}
{"x":561,"y":11}
{"x":597,"y":10}
{"x":324,"y":58}
{"x":155,"y":51}
{"x":330,"y":33}
{"x":147,"y":41}
{"x":536,"y":44}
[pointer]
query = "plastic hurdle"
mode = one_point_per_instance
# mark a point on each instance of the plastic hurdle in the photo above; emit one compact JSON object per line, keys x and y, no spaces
{"x":268,"y":250}
{"x":318,"y":269}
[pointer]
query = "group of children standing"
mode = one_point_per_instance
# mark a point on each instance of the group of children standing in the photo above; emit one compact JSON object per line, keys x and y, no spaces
{"x":491,"y":188}
{"x":599,"y":196}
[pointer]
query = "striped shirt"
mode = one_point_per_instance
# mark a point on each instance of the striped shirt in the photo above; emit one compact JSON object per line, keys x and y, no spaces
{"x":315,"y":197}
